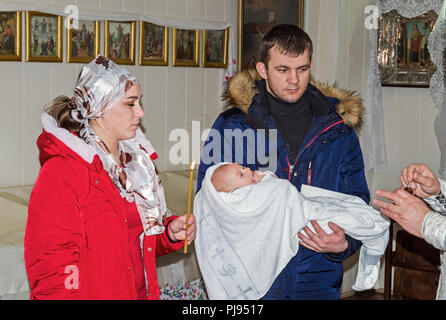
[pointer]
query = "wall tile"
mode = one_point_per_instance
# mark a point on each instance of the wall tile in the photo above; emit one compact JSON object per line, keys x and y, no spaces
{"x":156,"y":7}
{"x":356,"y":47}
{"x":39,"y":1}
{"x":196,"y":9}
{"x":213,"y":104}
{"x":312,"y":28}
{"x":176,"y":112}
{"x":111,"y":5}
{"x":11,"y":130}
{"x":88,"y":4}
{"x":426,"y":137}
{"x":155,"y":111}
{"x":214,"y":10}
{"x":195,"y":94}
{"x":134,"y":6}
{"x":177,"y":8}
{"x":61,"y":3}
{"x":324,"y":48}
{"x":63,"y":79}
{"x":37,"y":88}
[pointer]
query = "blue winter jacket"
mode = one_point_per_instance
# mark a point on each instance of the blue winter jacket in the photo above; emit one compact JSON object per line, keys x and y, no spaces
{"x":330,"y":157}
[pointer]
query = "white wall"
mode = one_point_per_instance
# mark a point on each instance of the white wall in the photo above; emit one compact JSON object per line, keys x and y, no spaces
{"x":173,"y":96}
{"x":409,"y":113}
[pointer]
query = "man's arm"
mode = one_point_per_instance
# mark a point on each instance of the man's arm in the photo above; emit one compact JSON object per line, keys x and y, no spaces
{"x":338,"y":246}
{"x":434,"y":230}
{"x":352,"y":181}
{"x":438,"y":202}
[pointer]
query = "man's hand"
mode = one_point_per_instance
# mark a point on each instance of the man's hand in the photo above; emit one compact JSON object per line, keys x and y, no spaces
{"x":424,"y":182}
{"x":408,"y":211}
{"x":323,"y":242}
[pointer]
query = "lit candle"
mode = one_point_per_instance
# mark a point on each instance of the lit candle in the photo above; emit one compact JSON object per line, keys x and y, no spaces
{"x":191,"y":175}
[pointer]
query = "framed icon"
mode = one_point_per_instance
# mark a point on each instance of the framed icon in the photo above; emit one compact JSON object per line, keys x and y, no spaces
{"x":215,"y":48}
{"x":11,"y":36}
{"x":83,"y":42}
{"x":153,"y":44}
{"x":120,"y":41}
{"x":186,"y":46}
{"x":43,"y":37}
{"x":403,"y":57}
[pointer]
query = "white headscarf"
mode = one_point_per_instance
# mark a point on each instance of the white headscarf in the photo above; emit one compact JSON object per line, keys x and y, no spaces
{"x":101,"y":84}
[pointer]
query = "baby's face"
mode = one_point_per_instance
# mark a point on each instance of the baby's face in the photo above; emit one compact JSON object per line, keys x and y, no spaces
{"x":237,"y":176}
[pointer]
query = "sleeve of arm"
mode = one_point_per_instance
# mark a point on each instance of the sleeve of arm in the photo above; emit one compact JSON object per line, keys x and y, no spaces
{"x":353,"y":246}
{"x":53,"y":236}
{"x":434,"y":230}
{"x":352,"y":181}
{"x":438,"y":203}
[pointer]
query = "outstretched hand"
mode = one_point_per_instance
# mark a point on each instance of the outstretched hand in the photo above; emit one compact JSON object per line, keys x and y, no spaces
{"x":322,"y":242}
{"x":407,"y":210}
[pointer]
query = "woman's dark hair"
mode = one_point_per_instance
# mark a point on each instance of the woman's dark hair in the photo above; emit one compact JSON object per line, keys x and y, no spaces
{"x":288,"y":39}
{"x":60,"y":109}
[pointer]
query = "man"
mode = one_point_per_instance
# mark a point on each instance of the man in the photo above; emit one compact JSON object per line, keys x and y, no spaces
{"x":412,"y":213}
{"x":311,"y":143}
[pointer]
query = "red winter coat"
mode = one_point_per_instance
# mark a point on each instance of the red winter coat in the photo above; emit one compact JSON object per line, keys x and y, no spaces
{"x":76,"y":240}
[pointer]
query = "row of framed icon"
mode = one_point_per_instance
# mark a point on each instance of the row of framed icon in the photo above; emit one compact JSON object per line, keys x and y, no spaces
{"x":44,"y":41}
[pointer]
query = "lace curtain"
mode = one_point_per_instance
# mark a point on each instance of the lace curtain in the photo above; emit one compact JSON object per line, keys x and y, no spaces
{"x":437,"y":48}
{"x":374,"y":150}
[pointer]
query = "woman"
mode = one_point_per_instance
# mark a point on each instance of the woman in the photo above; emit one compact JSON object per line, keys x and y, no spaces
{"x":98,"y":200}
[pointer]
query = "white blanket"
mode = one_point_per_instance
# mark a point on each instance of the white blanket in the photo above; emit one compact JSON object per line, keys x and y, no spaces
{"x":245,"y":238}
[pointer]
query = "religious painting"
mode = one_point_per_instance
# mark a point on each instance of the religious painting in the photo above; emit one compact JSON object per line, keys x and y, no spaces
{"x":11,"y":36}
{"x":215,"y":48}
{"x":83,"y":41}
{"x":186,"y":48}
{"x":43,"y":37}
{"x":153,"y":44}
{"x":403,"y":56}
{"x":120,"y":41}
{"x":256,"y":18}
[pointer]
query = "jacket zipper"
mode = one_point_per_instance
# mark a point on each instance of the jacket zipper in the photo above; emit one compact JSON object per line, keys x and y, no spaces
{"x":291,"y":167}
{"x":309,"y":174}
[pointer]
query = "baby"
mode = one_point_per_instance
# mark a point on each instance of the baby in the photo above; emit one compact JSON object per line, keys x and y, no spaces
{"x":247,"y":231}
{"x":232,"y":176}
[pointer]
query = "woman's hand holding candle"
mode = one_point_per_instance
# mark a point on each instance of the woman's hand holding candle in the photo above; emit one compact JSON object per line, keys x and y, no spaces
{"x":177,"y":229}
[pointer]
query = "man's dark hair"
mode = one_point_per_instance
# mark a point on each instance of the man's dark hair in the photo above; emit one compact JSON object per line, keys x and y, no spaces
{"x":288,"y":39}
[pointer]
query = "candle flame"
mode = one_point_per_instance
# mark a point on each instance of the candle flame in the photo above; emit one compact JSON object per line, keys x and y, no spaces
{"x":192,"y":165}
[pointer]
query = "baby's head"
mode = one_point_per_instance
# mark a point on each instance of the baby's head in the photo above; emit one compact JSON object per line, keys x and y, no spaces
{"x":231,"y":176}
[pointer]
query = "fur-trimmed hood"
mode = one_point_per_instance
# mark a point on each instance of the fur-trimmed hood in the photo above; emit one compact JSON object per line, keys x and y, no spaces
{"x":241,"y":91}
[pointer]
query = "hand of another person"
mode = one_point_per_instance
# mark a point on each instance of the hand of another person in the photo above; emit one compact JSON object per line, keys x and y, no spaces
{"x":424,"y":182}
{"x":177,"y":228}
{"x":407,"y":210}
{"x":323,"y":242}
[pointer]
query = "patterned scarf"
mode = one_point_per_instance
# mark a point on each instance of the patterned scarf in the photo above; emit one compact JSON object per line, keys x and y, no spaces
{"x":101,"y":84}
